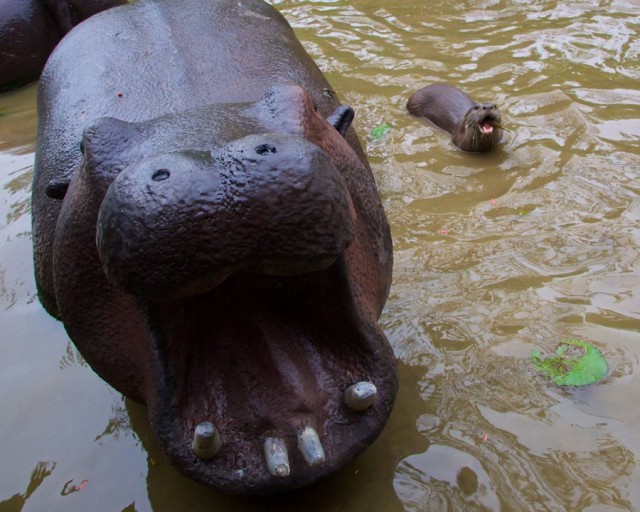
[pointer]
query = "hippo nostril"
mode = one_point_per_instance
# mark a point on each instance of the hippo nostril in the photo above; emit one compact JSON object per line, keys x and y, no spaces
{"x":263,"y":149}
{"x":161,"y":175}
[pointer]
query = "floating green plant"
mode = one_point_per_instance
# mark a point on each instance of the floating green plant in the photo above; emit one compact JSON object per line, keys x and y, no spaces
{"x":379,"y":131}
{"x":575,"y":363}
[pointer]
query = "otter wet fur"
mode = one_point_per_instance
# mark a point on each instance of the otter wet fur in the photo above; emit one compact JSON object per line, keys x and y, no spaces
{"x":473,"y":126}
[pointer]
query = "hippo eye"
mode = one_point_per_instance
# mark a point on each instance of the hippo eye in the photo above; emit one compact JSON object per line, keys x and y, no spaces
{"x":160,"y":175}
{"x":263,"y":149}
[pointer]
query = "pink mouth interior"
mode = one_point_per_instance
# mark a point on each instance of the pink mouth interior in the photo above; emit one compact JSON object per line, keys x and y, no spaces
{"x":486,"y":128}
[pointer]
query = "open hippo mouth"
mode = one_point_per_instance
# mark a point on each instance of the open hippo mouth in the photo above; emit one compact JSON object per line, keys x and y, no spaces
{"x":267,"y":370}
{"x":274,"y":378}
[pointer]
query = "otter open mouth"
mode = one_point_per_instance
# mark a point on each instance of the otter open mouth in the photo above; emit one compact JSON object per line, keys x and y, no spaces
{"x":486,"y":127}
{"x":270,"y":363}
{"x":488,"y":120}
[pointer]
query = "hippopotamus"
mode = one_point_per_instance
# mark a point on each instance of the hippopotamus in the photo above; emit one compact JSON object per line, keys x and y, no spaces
{"x":30,"y":29}
{"x":208,"y":229}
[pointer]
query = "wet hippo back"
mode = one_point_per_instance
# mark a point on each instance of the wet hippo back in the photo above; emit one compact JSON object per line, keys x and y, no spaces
{"x":145,"y":64}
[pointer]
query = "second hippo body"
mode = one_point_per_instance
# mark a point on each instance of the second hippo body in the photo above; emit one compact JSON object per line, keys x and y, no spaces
{"x":214,"y":246}
{"x":30,"y":29}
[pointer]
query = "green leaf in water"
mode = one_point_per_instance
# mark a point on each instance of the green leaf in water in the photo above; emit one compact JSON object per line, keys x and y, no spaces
{"x":576,"y":363}
{"x":379,"y":131}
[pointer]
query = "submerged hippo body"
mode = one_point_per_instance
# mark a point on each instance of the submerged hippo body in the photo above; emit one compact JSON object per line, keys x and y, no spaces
{"x":30,"y":29}
{"x":208,"y":229}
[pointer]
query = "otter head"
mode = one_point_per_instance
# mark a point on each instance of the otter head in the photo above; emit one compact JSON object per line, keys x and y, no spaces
{"x":480,"y":129}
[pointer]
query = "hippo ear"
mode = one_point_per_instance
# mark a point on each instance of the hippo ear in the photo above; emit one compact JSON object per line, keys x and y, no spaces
{"x":56,"y":189}
{"x":341,"y":118}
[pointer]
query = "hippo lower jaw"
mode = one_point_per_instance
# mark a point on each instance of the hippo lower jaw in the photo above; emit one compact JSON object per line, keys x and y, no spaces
{"x":264,"y":376}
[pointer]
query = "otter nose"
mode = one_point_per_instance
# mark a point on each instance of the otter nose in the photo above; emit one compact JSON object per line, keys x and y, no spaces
{"x":488,"y":106}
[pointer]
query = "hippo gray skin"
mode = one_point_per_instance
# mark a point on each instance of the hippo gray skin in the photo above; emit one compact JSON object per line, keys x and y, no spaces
{"x":207,"y":227}
{"x":30,"y":29}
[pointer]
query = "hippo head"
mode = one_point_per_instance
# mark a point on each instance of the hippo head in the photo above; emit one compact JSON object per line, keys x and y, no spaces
{"x":234,"y":290}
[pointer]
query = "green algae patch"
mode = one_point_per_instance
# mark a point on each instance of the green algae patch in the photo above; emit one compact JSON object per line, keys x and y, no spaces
{"x":379,"y":131}
{"x":575,"y":363}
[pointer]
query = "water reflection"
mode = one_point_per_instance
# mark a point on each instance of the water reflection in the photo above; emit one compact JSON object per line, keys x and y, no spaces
{"x":18,"y":124}
{"x":17,"y":502}
{"x":71,"y":358}
{"x":444,"y":478}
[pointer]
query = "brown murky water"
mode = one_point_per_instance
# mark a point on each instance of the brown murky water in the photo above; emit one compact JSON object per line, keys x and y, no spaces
{"x":494,"y":256}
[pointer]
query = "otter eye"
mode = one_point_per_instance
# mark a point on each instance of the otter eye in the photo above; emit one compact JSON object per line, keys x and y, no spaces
{"x":476,"y":107}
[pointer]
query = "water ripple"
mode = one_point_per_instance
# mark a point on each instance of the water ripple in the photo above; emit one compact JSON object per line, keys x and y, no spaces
{"x":497,"y":255}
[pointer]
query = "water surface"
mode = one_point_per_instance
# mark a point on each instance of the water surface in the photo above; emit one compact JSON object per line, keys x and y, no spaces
{"x":495,"y":255}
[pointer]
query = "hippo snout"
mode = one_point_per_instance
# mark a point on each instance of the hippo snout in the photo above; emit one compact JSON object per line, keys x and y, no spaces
{"x":180,"y":223}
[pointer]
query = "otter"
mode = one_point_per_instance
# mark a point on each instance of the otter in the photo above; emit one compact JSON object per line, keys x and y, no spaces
{"x":473,"y":126}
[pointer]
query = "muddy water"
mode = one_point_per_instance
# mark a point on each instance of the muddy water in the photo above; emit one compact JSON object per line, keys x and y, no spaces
{"x":494,"y":256}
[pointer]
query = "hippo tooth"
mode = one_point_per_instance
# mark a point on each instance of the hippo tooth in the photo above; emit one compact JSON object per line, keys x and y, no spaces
{"x":310,"y":446}
{"x":275,"y":451}
{"x":360,"y":396}
{"x":206,"y":441}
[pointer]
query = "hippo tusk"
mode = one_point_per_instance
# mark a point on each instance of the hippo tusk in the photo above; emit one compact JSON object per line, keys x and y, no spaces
{"x":206,"y":441}
{"x":310,"y":446}
{"x":360,"y":396}
{"x":275,"y":451}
